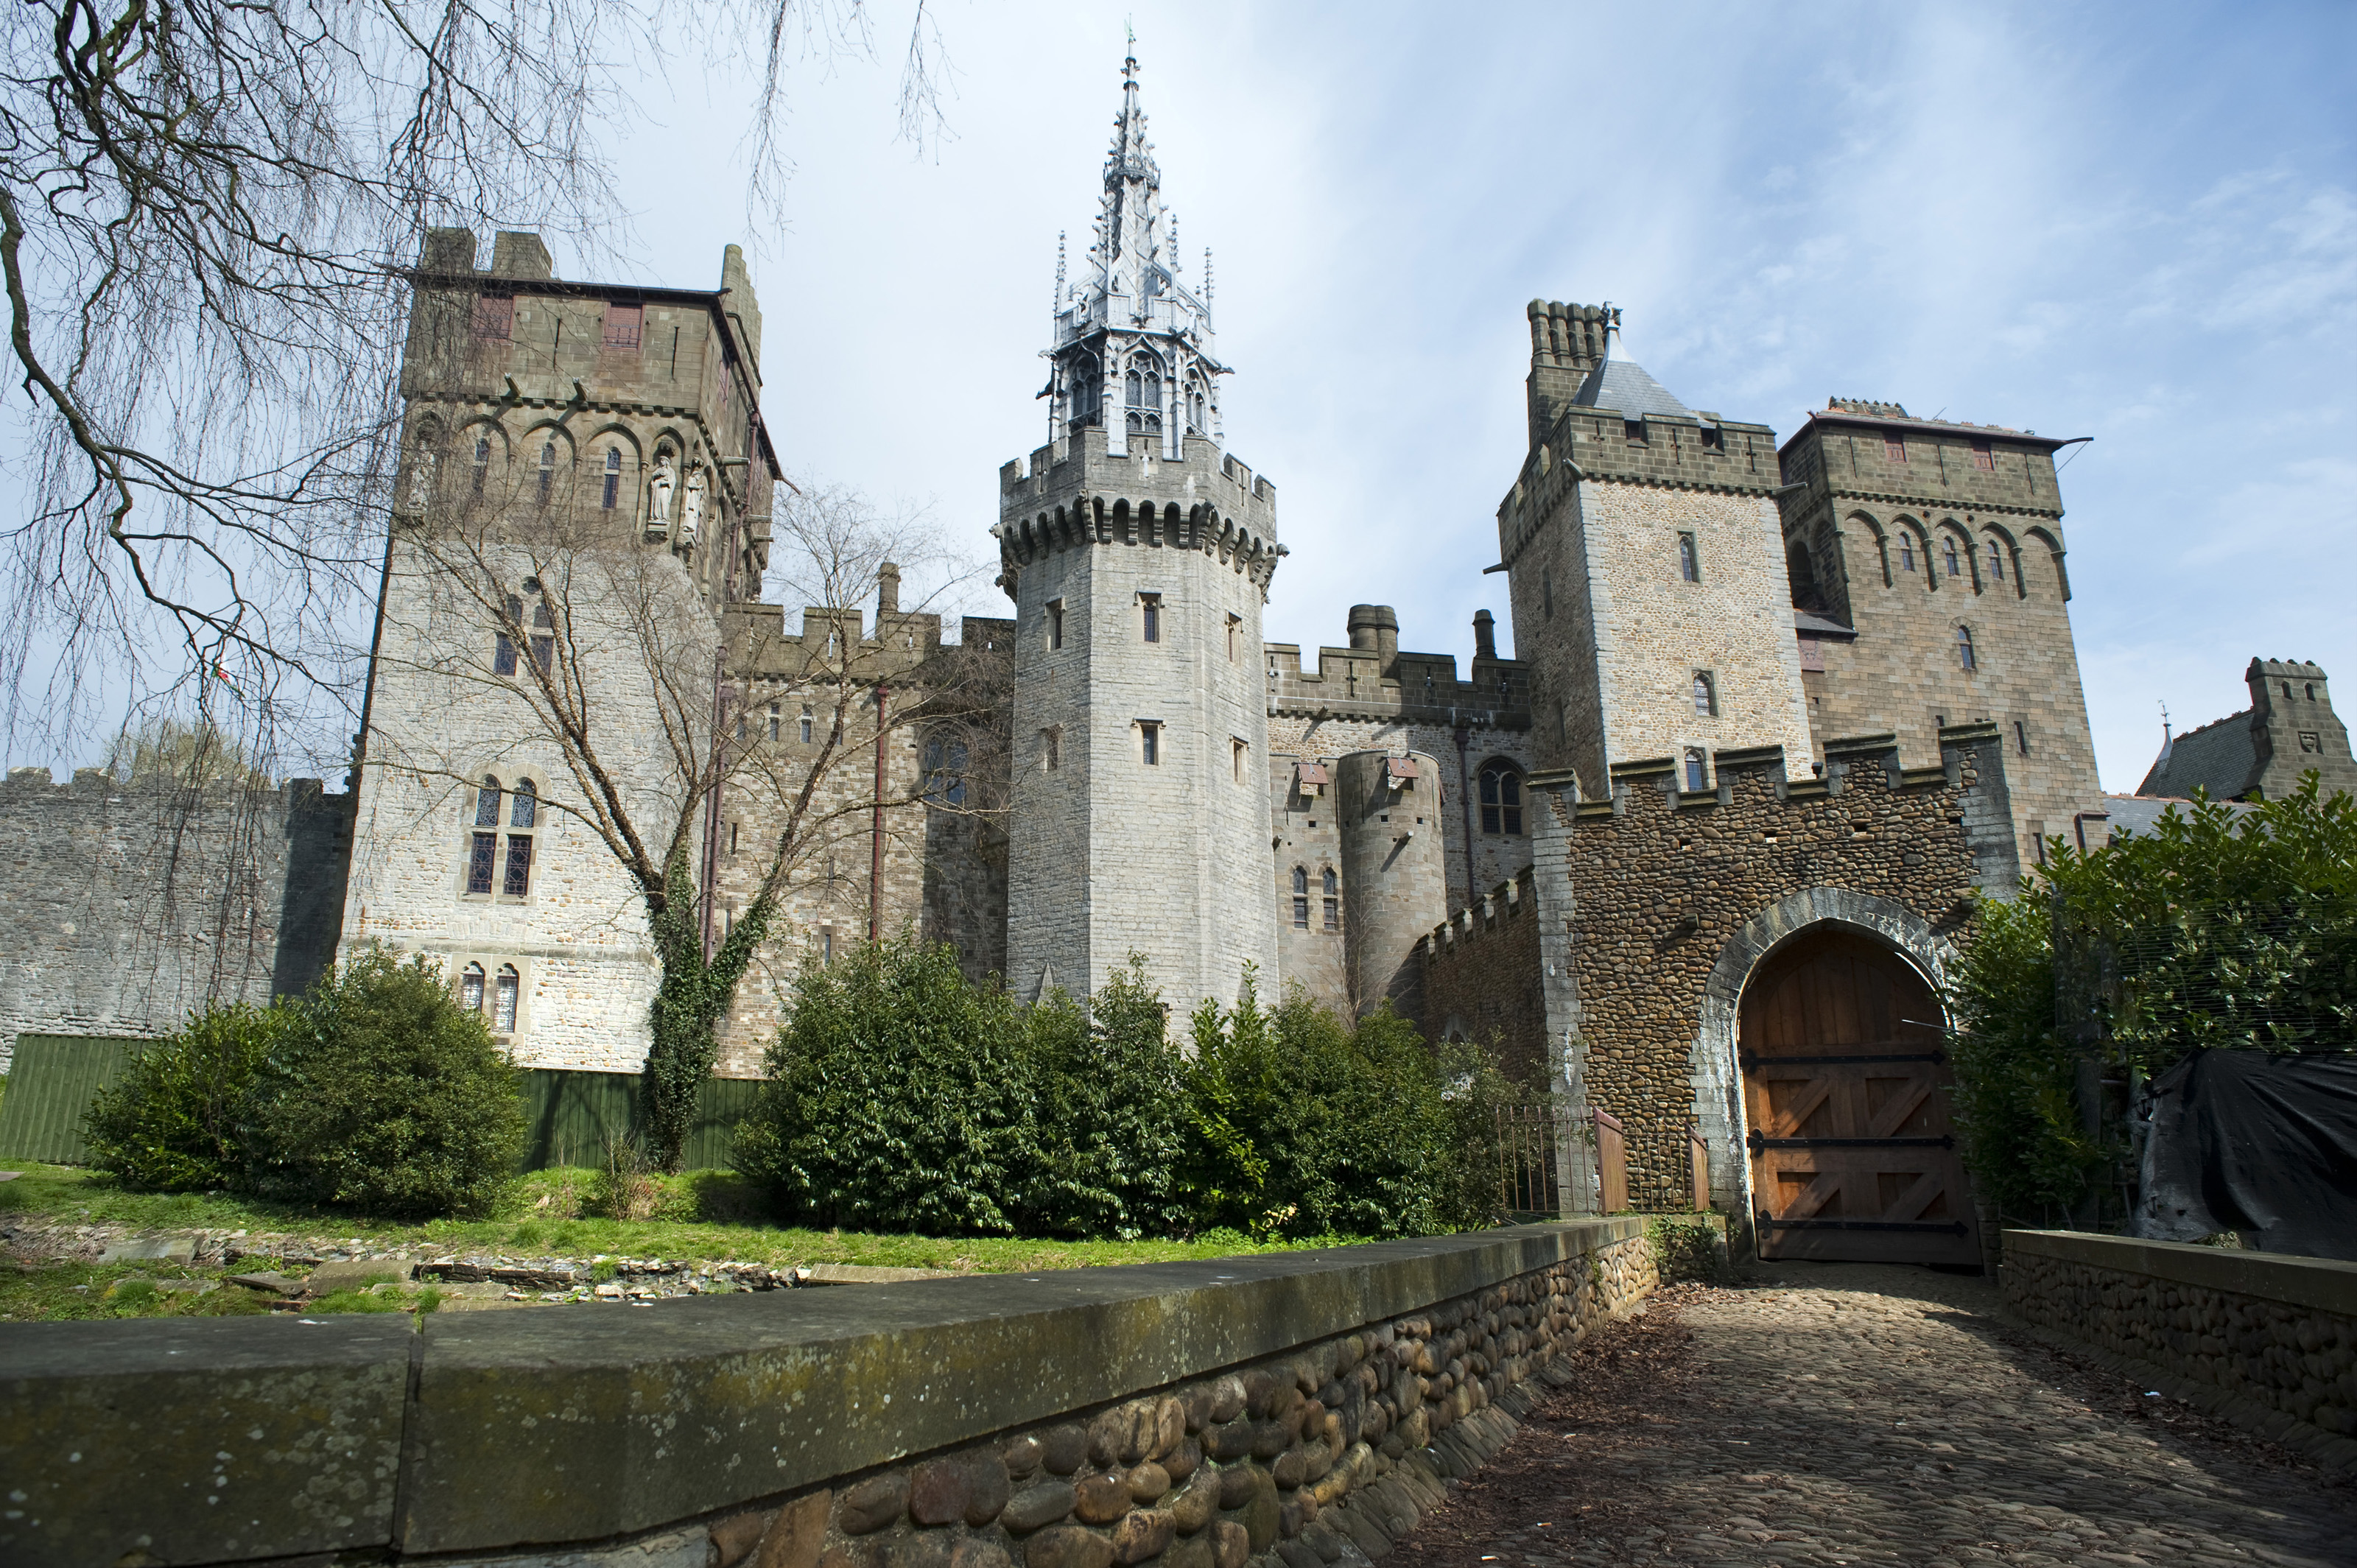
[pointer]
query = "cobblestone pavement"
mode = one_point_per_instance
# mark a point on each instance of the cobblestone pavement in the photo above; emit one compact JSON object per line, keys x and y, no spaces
{"x":1852,"y":1414}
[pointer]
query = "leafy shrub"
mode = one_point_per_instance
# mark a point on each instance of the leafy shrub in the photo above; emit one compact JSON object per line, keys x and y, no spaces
{"x":388,"y":1097}
{"x":899,"y":1098}
{"x":1110,"y":1114}
{"x":171,"y":1124}
{"x":2015,"y":1092}
{"x":1309,"y":1126}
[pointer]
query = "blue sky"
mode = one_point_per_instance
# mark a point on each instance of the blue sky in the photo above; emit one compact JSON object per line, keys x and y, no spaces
{"x":2137,"y":223}
{"x":2133,"y":222}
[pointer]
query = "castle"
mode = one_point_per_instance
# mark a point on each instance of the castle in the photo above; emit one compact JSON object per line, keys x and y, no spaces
{"x":1775,"y":711}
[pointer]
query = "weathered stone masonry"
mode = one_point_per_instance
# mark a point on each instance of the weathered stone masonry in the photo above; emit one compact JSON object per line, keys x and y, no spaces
{"x":1188,"y":1415}
{"x":1646,"y":913}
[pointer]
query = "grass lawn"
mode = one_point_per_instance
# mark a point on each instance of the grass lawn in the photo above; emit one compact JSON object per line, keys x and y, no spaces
{"x":703,"y":1215}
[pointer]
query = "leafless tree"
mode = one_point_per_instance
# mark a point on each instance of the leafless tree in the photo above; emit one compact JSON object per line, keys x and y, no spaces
{"x":207,"y":209}
{"x":649,"y":710}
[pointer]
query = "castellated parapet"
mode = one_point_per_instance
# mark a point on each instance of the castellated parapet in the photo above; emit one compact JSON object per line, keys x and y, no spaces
{"x":136,"y":900}
{"x":1138,"y":802}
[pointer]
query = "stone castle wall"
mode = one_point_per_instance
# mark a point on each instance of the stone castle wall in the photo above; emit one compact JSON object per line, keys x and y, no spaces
{"x":133,"y":902}
{"x":1482,"y":979}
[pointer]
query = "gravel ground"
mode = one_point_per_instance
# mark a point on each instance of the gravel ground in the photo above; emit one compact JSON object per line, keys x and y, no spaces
{"x":1851,"y":1413}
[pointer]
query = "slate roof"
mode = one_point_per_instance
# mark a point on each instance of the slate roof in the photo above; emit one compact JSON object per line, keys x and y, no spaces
{"x":2137,"y":813}
{"x":1623,"y":384}
{"x":1815,"y":624}
{"x":2220,"y":757}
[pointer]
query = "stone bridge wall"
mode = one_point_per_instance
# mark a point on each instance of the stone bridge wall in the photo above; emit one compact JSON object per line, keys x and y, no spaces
{"x":1189,"y":1415}
{"x":2268,"y":1342}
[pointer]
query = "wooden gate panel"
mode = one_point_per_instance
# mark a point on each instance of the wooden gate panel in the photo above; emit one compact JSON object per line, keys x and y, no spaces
{"x":1853,"y":1153}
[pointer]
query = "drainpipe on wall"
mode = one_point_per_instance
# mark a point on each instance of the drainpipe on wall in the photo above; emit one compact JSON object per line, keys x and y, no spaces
{"x":711,"y":877}
{"x":876,"y":846}
{"x":1465,"y":804}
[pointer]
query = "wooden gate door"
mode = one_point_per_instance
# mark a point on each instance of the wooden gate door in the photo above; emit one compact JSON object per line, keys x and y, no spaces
{"x":1853,"y":1155}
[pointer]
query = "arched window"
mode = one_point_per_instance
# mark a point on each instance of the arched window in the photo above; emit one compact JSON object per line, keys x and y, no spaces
{"x":1706,"y":694}
{"x":1697,"y":774}
{"x":547,"y":470}
{"x":613,"y":496}
{"x":1954,"y":569}
{"x":1689,"y":559}
{"x":1906,"y":551}
{"x":1996,"y":561}
{"x":544,"y":635}
{"x":483,"y":843}
{"x":486,"y":803}
{"x":524,"y":811}
{"x":1334,"y":888}
{"x":470,"y":988}
{"x":1301,"y":898}
{"x":503,"y":1003}
{"x":1501,"y":799}
{"x":1144,"y":387}
{"x":1964,"y":648}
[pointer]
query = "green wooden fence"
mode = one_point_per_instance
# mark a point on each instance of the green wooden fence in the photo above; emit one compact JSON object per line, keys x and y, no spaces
{"x":568,"y":1116}
{"x":51,"y":1082}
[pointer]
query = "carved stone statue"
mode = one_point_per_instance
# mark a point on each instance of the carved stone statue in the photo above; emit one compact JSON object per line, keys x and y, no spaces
{"x":422,"y":472}
{"x":660,"y":488}
{"x":691,"y":509}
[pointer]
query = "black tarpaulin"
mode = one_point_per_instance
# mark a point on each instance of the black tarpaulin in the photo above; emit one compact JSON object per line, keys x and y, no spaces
{"x":2256,"y":1142}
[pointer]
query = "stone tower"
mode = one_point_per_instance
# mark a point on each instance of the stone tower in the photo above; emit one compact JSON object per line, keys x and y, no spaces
{"x":2261,"y":752}
{"x":1646,"y":568}
{"x":1139,"y":555}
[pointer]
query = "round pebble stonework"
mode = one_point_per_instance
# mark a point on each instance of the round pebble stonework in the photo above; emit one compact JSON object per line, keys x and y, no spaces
{"x":2300,"y":1361}
{"x":1337,"y":1448}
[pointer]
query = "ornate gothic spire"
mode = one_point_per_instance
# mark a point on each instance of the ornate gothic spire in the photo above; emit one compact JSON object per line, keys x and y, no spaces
{"x":1132,"y":344}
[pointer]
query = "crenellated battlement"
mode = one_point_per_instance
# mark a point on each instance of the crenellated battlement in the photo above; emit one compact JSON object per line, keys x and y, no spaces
{"x":1373,"y":678}
{"x":1074,"y":492}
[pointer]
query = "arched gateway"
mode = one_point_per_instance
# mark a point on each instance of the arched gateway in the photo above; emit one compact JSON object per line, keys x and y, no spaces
{"x":1852,"y":1151}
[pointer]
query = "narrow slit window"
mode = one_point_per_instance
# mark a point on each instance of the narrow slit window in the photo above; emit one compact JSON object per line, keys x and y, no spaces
{"x":806,"y":723}
{"x":1333,"y":900}
{"x":503,"y":658}
{"x":2020,"y":737}
{"x":543,"y":636}
{"x":1906,"y":553}
{"x":1996,"y":561}
{"x":517,"y":882}
{"x":548,"y":471}
{"x":1706,"y":694}
{"x":1955,"y":567}
{"x":1052,"y":746}
{"x":776,"y":720}
{"x":1235,"y":633}
{"x":503,"y":1005}
{"x":1546,"y":594}
{"x":1965,"y":655}
{"x":1237,"y":752}
{"x":1150,"y":608}
{"x":470,"y":988}
{"x":1301,"y":898}
{"x":1696,"y":773}
{"x":613,"y":491}
{"x":482,"y":462}
{"x":1689,"y":559}
{"x":1150,"y":744}
{"x":1055,"y":624}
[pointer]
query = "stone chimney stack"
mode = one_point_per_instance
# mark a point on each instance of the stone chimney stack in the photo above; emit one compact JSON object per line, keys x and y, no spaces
{"x":887,"y":590}
{"x":1485,"y":636}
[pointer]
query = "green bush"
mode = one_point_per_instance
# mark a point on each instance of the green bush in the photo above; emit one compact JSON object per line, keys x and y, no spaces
{"x":171,"y":1124}
{"x":1109,"y":1114}
{"x":899,"y":1098}
{"x":387,"y":1097}
{"x":1307,"y":1126}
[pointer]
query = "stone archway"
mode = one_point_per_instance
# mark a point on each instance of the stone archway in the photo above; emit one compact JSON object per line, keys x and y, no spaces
{"x":1716,"y":1074}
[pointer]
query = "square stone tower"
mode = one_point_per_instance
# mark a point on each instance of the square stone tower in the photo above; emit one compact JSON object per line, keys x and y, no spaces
{"x":1138,"y":554}
{"x":1646,"y":572}
{"x":1927,"y":575}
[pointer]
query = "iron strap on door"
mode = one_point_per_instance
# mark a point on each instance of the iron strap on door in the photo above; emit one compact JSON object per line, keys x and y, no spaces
{"x":1759,"y":1142}
{"x":1947,"y":1227}
{"x":1751,"y":1060}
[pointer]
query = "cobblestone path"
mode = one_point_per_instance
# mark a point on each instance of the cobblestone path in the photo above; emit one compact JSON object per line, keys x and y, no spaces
{"x":1854,"y":1414}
